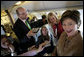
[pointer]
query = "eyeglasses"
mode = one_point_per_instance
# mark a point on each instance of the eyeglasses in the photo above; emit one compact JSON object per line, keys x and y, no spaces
{"x":23,"y":13}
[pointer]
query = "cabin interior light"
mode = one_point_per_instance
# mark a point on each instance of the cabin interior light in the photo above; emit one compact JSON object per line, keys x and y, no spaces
{"x":18,"y":3}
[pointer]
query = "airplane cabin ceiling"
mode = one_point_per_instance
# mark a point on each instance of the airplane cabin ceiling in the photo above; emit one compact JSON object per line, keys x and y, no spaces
{"x":40,"y":5}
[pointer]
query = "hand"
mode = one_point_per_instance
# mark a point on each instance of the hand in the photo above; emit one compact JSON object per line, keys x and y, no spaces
{"x":40,"y":48}
{"x":46,"y":42}
{"x":32,"y":47}
{"x":35,"y":30}
{"x":30,"y":33}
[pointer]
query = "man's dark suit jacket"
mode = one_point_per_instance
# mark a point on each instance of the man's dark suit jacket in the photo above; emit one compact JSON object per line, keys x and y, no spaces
{"x":21,"y":30}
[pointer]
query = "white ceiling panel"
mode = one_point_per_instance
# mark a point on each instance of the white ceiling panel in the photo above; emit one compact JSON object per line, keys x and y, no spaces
{"x":40,"y":5}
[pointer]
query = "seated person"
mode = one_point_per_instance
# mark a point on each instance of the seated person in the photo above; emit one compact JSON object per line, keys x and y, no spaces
{"x":42,"y":38}
{"x":6,"y":44}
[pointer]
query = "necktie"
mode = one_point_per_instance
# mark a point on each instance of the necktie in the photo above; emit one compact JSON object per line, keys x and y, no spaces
{"x":28,"y":24}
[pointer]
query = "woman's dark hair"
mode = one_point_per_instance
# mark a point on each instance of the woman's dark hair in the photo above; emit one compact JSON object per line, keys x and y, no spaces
{"x":72,"y":14}
{"x":43,"y":16}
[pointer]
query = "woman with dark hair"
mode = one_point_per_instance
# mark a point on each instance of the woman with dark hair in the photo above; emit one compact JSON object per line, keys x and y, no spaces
{"x":7,"y":46}
{"x":43,"y":37}
{"x":70,"y":42}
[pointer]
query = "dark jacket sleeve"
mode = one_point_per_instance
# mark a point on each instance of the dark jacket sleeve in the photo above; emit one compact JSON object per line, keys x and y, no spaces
{"x":36,"y":24}
{"x":21,"y":30}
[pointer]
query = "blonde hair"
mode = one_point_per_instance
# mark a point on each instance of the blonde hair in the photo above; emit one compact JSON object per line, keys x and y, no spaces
{"x":51,"y":14}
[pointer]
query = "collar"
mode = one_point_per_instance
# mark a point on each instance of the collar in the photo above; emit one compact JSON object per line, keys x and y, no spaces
{"x":24,"y":20}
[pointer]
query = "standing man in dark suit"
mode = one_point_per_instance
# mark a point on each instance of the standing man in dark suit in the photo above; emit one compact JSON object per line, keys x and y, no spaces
{"x":23,"y":30}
